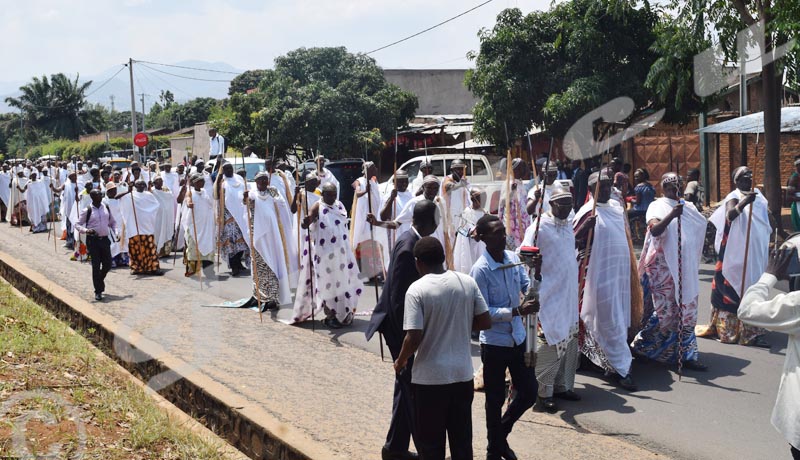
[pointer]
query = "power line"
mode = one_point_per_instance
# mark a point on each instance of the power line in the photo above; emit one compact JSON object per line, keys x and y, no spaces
{"x":430,"y":28}
{"x":191,"y":68}
{"x":183,"y":76}
{"x":159,"y":77}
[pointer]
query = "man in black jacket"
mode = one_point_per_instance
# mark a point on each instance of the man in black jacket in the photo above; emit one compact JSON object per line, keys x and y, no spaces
{"x":387,"y":318}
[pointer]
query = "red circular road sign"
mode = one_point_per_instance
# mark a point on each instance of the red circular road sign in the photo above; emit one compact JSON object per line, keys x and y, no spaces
{"x":141,"y":139}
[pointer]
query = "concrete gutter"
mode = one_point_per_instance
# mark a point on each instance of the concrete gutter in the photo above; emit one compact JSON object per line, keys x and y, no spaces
{"x":248,"y":428}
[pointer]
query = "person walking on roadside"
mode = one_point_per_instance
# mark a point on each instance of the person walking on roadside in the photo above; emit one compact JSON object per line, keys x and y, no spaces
{"x":441,"y":310}
{"x":780,"y":314}
{"x":387,"y":318}
{"x":94,"y":222}
{"x":501,"y":282}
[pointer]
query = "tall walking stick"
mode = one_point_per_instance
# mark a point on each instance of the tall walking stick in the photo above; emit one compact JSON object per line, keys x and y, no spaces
{"x":749,"y":222}
{"x":175,"y":236}
{"x":199,"y":262}
{"x":372,"y":237}
{"x":680,"y":294}
{"x":310,"y":268}
{"x":53,"y":217}
{"x":252,"y":227}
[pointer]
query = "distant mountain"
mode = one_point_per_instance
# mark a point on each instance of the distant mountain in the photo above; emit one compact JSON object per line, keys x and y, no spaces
{"x":150,"y":79}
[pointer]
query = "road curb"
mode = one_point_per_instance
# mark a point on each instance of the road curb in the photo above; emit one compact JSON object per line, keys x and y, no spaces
{"x":245,"y":426}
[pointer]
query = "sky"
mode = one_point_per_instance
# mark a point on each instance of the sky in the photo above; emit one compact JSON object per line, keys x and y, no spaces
{"x":91,"y":36}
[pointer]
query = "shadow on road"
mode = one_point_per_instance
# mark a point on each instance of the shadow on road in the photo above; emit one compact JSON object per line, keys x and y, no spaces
{"x":595,"y":399}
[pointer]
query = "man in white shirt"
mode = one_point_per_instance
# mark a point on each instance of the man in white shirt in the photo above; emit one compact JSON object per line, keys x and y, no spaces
{"x":781,"y":314}
{"x":217,"y":144}
{"x":441,"y":310}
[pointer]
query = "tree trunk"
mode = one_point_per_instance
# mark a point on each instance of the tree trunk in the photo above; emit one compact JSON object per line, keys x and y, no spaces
{"x":772,"y":134}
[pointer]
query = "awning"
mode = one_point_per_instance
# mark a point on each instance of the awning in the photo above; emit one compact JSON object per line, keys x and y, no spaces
{"x":754,"y":123}
{"x":468,"y":145}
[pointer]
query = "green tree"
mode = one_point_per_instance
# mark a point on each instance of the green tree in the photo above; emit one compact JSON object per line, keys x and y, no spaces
{"x":55,"y":105}
{"x":246,"y":81}
{"x":720,"y":21}
{"x":176,"y":115}
{"x":320,"y":96}
{"x":550,"y":68}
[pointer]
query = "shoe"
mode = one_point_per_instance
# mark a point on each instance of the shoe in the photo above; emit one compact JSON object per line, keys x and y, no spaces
{"x":695,"y":365}
{"x":568,"y":395}
{"x":235,"y":271}
{"x":98,"y":297}
{"x":271,"y":306}
{"x":626,"y":382}
{"x":545,"y":405}
{"x":760,"y":343}
{"x":333,"y":323}
{"x":387,"y":454}
{"x":509,"y":454}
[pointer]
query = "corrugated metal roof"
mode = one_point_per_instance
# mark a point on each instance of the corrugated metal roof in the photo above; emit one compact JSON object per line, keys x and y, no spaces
{"x":754,"y":123}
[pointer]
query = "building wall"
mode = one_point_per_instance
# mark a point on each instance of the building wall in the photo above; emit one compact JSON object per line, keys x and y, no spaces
{"x":440,"y":92}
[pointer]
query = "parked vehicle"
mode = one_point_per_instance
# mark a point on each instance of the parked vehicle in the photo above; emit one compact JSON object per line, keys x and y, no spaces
{"x":252,"y":165}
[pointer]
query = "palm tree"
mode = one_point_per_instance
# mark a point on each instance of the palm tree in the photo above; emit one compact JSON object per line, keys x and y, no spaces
{"x":54,"y":106}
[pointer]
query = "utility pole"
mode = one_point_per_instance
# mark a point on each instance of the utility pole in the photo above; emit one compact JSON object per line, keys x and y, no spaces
{"x":112,"y":102}
{"x":743,"y":102}
{"x":133,"y":112}
{"x":144,"y":112}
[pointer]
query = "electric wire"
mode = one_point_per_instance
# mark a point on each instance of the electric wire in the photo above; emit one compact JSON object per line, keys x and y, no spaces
{"x":182,"y":76}
{"x":190,"y":68}
{"x":49,"y":107}
{"x":429,"y":28}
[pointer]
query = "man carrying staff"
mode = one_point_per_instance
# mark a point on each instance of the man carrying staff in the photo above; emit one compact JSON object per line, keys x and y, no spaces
{"x":36,"y":198}
{"x":19,"y":206}
{"x":502,"y":283}
{"x":557,"y":357}
{"x":732,"y":219}
{"x":232,"y":245}
{"x":310,"y":195}
{"x":141,"y":213}
{"x":535,"y":193}
{"x":367,"y":199}
{"x":197,"y":213}
{"x":119,"y":241}
{"x":68,"y":191}
{"x":425,"y":169}
{"x":165,"y":222}
{"x":172,"y":180}
{"x":282,"y":182}
{"x":95,"y":221}
{"x":605,"y":310}
{"x":669,"y":276}
{"x":334,"y":274}
{"x":467,"y":250}
{"x":391,"y":204}
{"x":324,"y":174}
{"x":275,"y":251}
{"x":387,"y":318}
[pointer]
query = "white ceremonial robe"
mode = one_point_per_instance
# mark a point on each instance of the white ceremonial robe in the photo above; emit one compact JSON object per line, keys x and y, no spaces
{"x":36,"y":195}
{"x":558,"y":292}
{"x":456,"y":200}
{"x":144,"y":222}
{"x":5,"y":188}
{"x":361,"y":206}
{"x":67,"y":202}
{"x":165,"y":221}
{"x":272,"y":224}
{"x":119,"y":243}
{"x":467,"y":250}
{"x":232,"y":189}
{"x":203,"y":211}
{"x":327,"y":177}
{"x":606,"y":311}
{"x":172,"y":181}
{"x":758,"y":252}
{"x":391,"y":235}
{"x":284,"y":183}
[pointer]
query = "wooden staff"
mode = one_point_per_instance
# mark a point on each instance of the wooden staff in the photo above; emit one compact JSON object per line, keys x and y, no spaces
{"x":509,"y":175}
{"x":544,"y":189}
{"x":310,"y":265}
{"x":199,"y":262}
{"x":680,"y":292}
{"x":394,"y":202}
{"x":175,"y":235}
{"x":302,"y":196}
{"x":53,"y":217}
{"x":749,"y":221}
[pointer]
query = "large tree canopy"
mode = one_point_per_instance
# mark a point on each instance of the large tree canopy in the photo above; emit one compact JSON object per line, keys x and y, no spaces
{"x":322,"y":97}
{"x":55,"y":106}
{"x":550,"y":68}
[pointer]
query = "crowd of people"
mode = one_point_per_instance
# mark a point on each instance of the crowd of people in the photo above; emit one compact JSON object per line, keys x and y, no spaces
{"x":450,"y":267}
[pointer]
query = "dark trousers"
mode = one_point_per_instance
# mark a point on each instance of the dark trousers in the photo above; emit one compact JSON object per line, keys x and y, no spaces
{"x":795,"y":453}
{"x":401,"y":426}
{"x":235,"y":260}
{"x":495,"y":362}
{"x":444,"y":411}
{"x":99,"y":248}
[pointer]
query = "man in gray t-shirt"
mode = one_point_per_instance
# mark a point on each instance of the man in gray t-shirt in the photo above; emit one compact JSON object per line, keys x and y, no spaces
{"x":442,"y":308}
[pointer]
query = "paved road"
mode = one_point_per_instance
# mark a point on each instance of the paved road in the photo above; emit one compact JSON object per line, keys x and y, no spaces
{"x":723,"y":413}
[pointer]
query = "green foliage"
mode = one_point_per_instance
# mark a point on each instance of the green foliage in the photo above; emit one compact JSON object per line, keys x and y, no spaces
{"x":55,"y":106}
{"x":550,"y":68}
{"x":322,"y":97}
{"x":176,"y":116}
{"x":246,"y":81}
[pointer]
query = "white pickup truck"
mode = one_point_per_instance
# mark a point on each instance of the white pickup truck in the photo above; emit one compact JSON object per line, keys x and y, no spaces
{"x":479,"y":173}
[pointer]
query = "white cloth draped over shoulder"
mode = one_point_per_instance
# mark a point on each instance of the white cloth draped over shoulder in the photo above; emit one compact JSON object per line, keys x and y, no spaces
{"x":38,"y":203}
{"x":172,"y":181}
{"x":16,"y":184}
{"x":558,"y":292}
{"x":233,"y":188}
{"x":693,"y":231}
{"x":456,"y":200}
{"x":165,"y":221}
{"x":606,"y":310}
{"x":326,"y":177}
{"x":119,"y":244}
{"x":144,"y":221}
{"x":272,"y":239}
{"x":404,"y":218}
{"x":467,"y":251}
{"x":203,"y":212}
{"x":67,"y":202}
{"x":361,"y":229}
{"x":758,"y":252}
{"x":5,"y":188}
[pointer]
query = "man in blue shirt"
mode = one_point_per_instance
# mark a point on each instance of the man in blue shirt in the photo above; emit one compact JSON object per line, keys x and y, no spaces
{"x":501,"y":283}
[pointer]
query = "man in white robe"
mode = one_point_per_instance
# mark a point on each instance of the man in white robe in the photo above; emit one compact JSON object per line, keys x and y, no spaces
{"x":5,"y":192}
{"x":119,"y":241}
{"x":172,"y":181}
{"x":557,"y":358}
{"x":606,"y":303}
{"x":455,"y":191}
{"x":332,"y":282}
{"x":140,"y":212}
{"x":425,"y":169}
{"x":467,"y":248}
{"x":165,"y":222}
{"x":232,"y":246}
{"x":535,"y":193}
{"x":36,"y":196}
{"x":18,"y":205}
{"x":391,"y":204}
{"x":325,"y":176}
{"x":283,"y":183}
{"x":302,"y":202}
{"x":197,"y":224}
{"x":366,"y":200}
{"x":275,"y":268}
